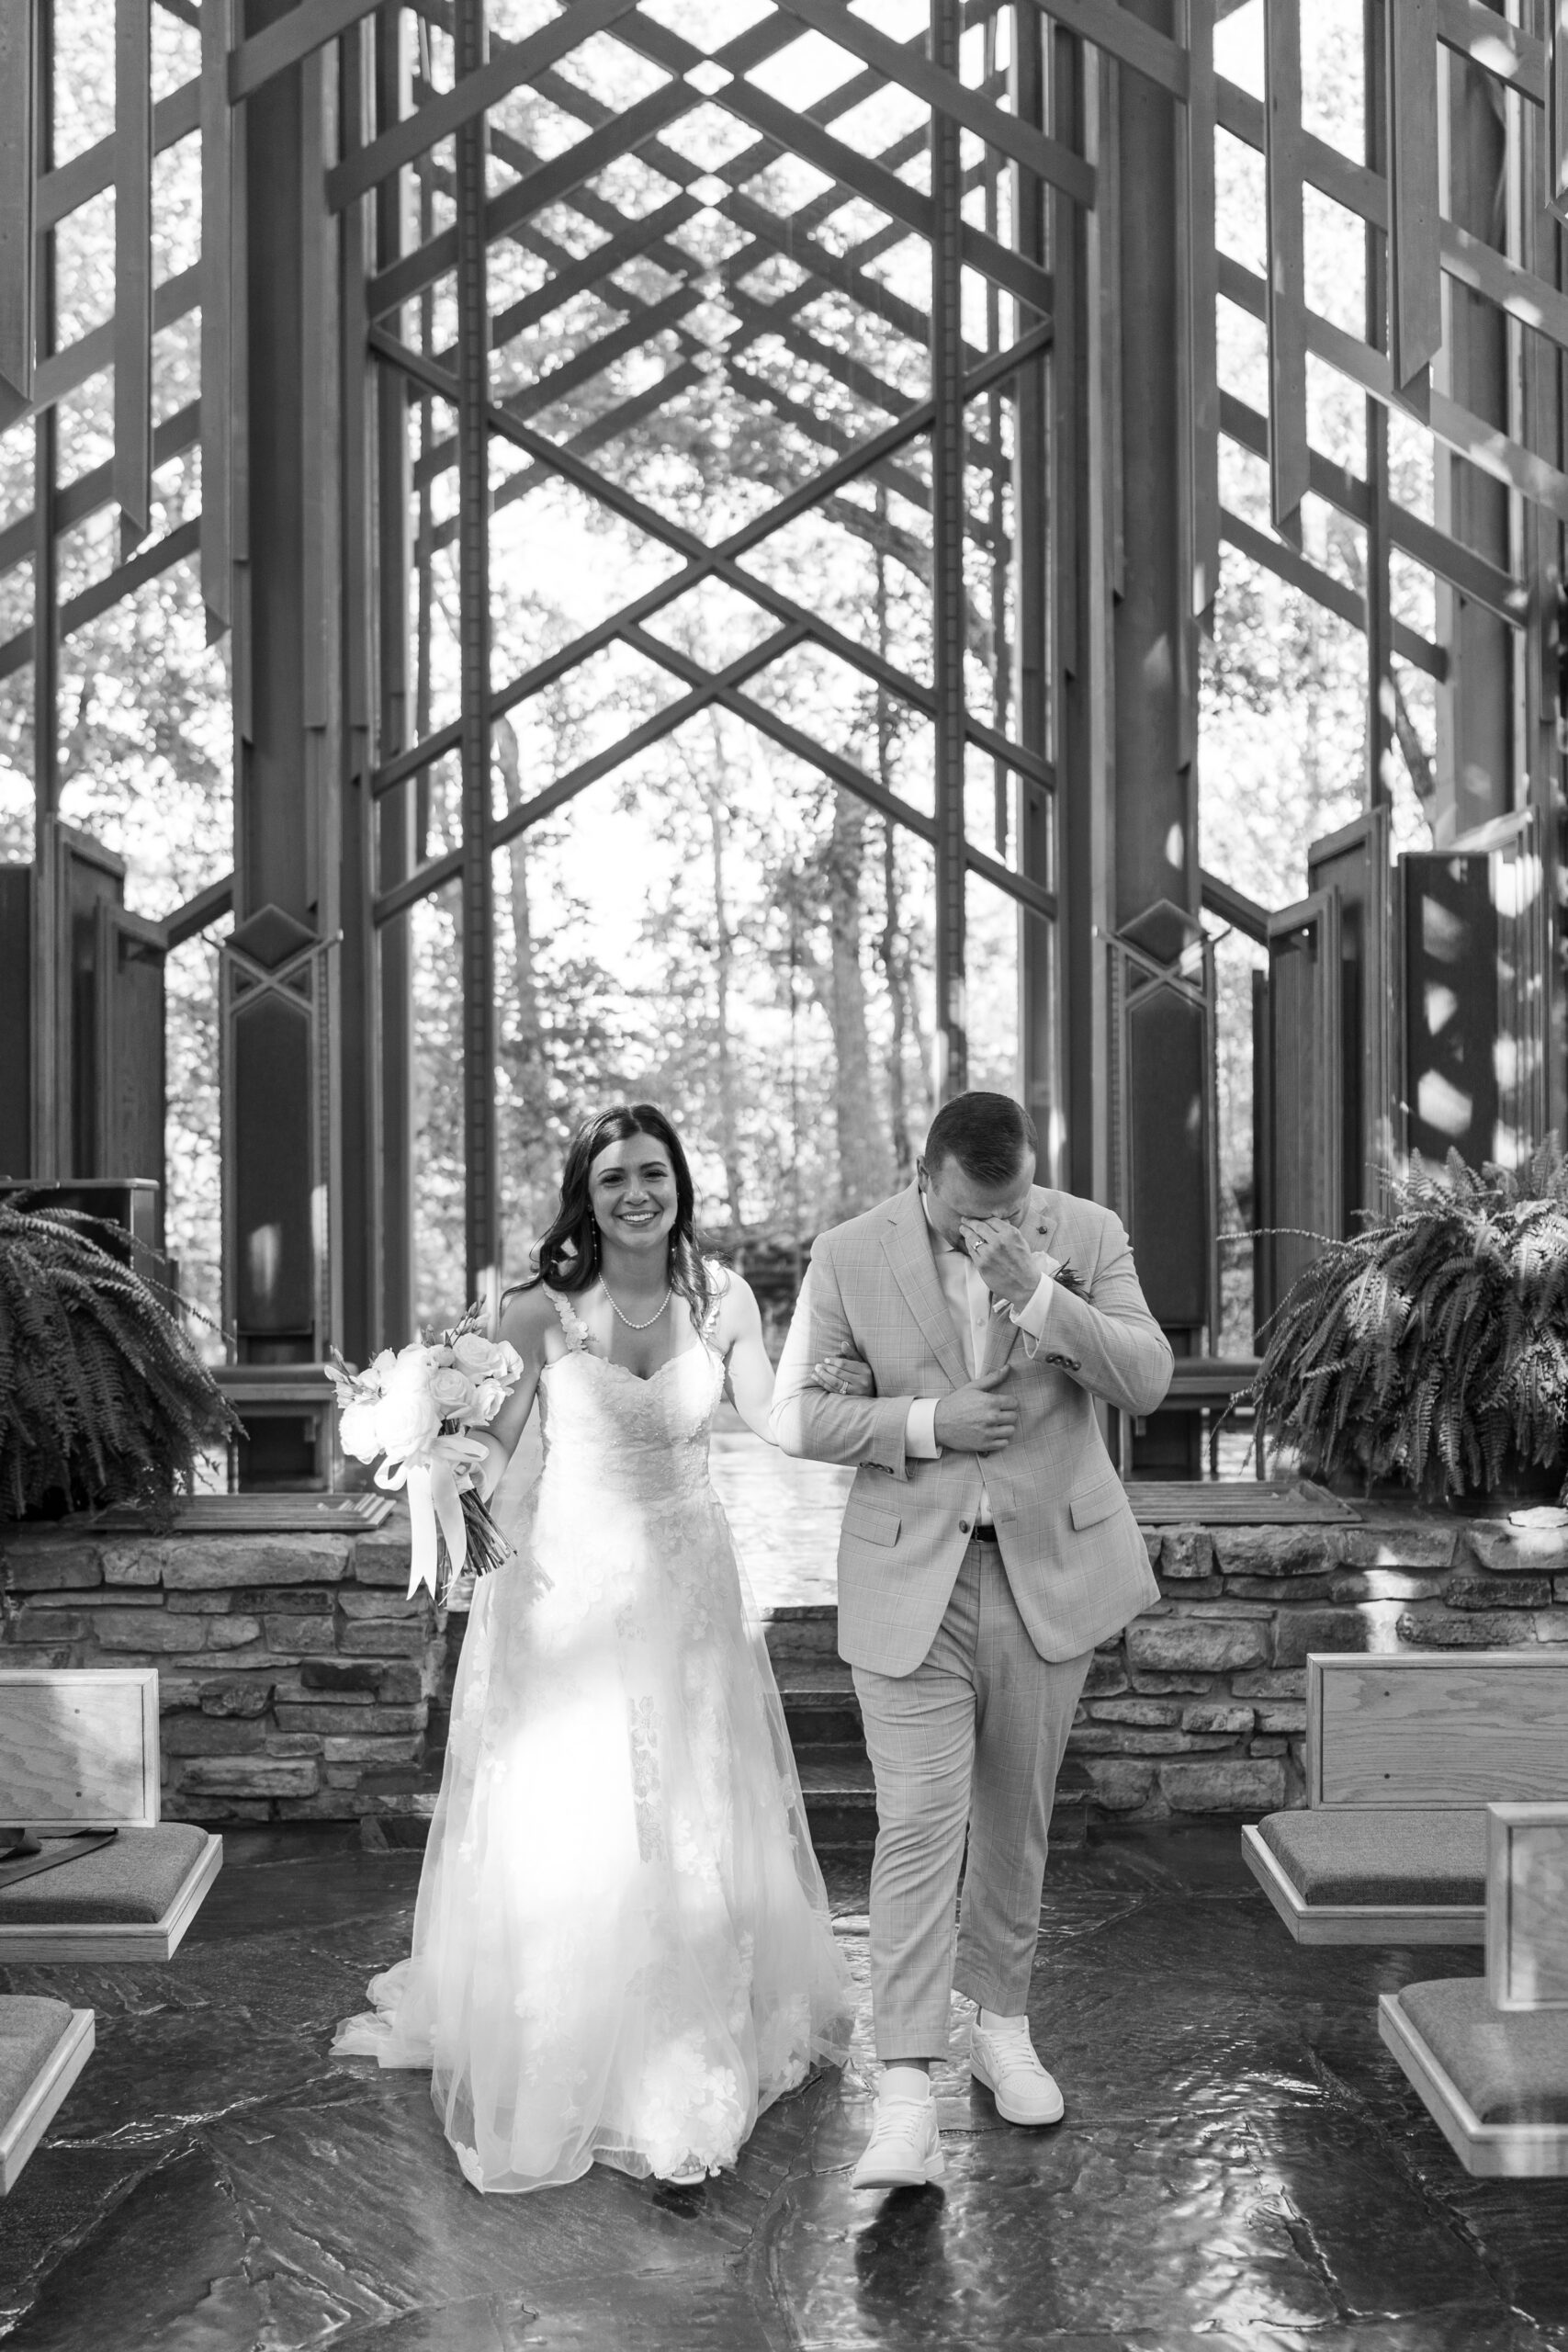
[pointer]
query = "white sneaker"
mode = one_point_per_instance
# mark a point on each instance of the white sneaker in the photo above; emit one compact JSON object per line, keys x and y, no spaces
{"x":904,"y":2147}
{"x":1004,"y":2059}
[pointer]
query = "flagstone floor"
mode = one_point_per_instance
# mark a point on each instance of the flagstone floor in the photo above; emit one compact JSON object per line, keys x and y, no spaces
{"x":1241,"y":2165}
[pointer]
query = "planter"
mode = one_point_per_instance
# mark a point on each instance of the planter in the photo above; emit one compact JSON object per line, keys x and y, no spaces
{"x":1521,"y":1483}
{"x":1433,"y":1345}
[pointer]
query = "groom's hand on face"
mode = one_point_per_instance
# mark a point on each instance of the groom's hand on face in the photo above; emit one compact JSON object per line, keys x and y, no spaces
{"x":1002,"y":1258}
{"x":979,"y":1418}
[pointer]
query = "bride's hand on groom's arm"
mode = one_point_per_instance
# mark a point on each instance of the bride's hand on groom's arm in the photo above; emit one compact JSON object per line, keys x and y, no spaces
{"x":843,"y":1377}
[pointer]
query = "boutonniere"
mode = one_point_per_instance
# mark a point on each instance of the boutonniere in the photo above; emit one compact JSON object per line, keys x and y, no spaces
{"x":1068,"y":1279}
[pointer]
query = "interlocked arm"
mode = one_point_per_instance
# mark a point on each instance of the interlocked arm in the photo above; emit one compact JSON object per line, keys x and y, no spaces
{"x":812,"y":1422}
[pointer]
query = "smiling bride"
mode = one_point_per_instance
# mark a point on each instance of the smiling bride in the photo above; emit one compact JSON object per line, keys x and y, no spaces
{"x":621,"y":1948}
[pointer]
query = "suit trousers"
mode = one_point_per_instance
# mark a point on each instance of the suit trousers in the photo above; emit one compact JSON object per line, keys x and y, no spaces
{"x":971,"y":1742}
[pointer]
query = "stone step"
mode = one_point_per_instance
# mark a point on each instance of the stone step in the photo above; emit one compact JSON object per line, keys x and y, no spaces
{"x":841,"y":1798}
{"x":808,"y":1631}
{"x":819,"y":1703}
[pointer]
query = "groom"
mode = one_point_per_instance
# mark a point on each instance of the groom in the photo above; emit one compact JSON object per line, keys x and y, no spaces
{"x":988,"y":1547}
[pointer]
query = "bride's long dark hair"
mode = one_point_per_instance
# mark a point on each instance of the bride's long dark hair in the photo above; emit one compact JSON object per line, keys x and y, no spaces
{"x":568,"y":1252}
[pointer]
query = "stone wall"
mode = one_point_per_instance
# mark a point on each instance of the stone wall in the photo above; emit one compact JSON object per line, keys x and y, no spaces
{"x":1199,"y":1707}
{"x":296,"y":1682}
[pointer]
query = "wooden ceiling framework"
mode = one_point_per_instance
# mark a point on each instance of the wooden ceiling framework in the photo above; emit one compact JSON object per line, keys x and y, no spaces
{"x":361,"y":174}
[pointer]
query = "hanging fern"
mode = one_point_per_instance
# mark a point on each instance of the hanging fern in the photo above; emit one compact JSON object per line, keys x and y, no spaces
{"x":102,"y":1398}
{"x":1433,"y":1346}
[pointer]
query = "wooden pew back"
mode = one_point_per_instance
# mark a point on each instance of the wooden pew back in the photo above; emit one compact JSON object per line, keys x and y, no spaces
{"x":79,"y":1748}
{"x":1438,"y":1730}
{"x":1526,"y":1906}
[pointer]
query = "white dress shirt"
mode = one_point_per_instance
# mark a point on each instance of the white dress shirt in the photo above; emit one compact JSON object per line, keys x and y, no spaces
{"x":971,"y":1306}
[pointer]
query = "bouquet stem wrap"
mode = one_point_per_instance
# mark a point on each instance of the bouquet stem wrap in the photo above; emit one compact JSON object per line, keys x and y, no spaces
{"x":435,"y":1504}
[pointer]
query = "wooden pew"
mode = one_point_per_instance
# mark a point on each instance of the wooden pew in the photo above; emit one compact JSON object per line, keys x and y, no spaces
{"x":44,"y":2045}
{"x":1489,"y":2055}
{"x":1404,"y":1755}
{"x":79,"y":1755}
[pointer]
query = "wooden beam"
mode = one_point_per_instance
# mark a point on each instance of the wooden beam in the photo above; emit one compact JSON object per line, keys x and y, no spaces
{"x":71,"y":185}
{"x":1124,"y":37}
{"x":218,"y":273}
{"x":891,"y":195}
{"x":17,"y":651}
{"x":1556,"y":140}
{"x":443,"y":116}
{"x":1484,"y":35}
{"x":133,"y":269}
{"x":289,"y":39}
{"x":941,"y":89}
{"x":60,"y":372}
{"x":1233,"y":906}
{"x":198,"y":913}
{"x":1202,"y":304}
{"x":1286,"y":304}
{"x":75,"y":501}
{"x":18,"y":81}
{"x":1414,"y":287}
{"x":1485,"y":445}
{"x":552,"y":183}
{"x":1336,"y":596}
{"x":702,"y":561}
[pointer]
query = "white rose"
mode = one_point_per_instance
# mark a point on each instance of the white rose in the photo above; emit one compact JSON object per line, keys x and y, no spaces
{"x":378,"y":1372}
{"x":408,"y":1421}
{"x":489,"y":1399}
{"x":506,"y":1363}
{"x":357,"y":1428}
{"x":453,"y":1391}
{"x":473,"y":1351}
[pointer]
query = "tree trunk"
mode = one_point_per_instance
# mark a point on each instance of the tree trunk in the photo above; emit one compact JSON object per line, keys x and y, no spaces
{"x":892,"y":945}
{"x":724,"y":974}
{"x":533,"y":1068}
{"x":862,"y":1150}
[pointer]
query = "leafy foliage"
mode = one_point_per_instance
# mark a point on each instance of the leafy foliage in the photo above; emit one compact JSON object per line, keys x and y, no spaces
{"x":1434,"y":1346}
{"x":102,"y":1398}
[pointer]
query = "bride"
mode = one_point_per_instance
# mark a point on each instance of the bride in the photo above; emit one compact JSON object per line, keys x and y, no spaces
{"x":621,"y":1948}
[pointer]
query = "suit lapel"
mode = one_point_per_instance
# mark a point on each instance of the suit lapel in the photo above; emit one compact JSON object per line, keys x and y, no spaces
{"x":906,"y":1244}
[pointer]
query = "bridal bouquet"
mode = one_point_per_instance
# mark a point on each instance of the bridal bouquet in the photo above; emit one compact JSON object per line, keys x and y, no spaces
{"x":413,"y":1412}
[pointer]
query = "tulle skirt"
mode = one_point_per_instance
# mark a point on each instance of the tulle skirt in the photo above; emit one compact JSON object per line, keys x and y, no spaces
{"x":621,"y":1948}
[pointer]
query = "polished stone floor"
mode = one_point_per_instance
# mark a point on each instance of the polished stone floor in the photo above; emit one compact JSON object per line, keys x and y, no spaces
{"x":1241,"y":2165}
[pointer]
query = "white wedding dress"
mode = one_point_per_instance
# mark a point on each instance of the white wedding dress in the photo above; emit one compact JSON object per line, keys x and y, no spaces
{"x":621,"y":1950}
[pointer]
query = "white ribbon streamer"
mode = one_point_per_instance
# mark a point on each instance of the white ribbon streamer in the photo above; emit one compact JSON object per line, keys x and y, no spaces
{"x":434,"y":1483}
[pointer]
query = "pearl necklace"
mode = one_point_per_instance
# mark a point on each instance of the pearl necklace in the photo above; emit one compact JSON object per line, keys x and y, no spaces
{"x":626,"y":1318}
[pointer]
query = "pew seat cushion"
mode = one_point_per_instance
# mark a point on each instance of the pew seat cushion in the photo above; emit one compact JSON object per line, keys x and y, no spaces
{"x":30,"y":2029}
{"x":131,"y":1881}
{"x":1510,"y":2067}
{"x":1381,"y":1857}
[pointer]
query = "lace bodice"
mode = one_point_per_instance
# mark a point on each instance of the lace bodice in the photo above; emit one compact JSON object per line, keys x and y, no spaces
{"x":604,"y":1423}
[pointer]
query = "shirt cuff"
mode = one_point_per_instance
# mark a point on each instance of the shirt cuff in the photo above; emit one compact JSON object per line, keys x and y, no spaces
{"x":919,"y":1431}
{"x":1032,"y":1316}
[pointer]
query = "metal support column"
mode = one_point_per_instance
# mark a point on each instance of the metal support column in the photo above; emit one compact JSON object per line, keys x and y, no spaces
{"x":51,"y":1113}
{"x":358,"y":1249}
{"x":1380,"y":620}
{"x":481,"y":1201}
{"x":1032,"y":624}
{"x":1476,"y":749}
{"x":281,"y":1141}
{"x":395,"y":842}
{"x":1078,"y":677}
{"x":948,"y":602}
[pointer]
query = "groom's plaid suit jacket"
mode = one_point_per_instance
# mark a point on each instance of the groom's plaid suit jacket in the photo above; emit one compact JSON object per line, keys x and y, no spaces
{"x":1074,"y":1558}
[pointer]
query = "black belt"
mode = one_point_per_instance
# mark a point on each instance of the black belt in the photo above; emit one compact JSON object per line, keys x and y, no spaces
{"x":984,"y":1534}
